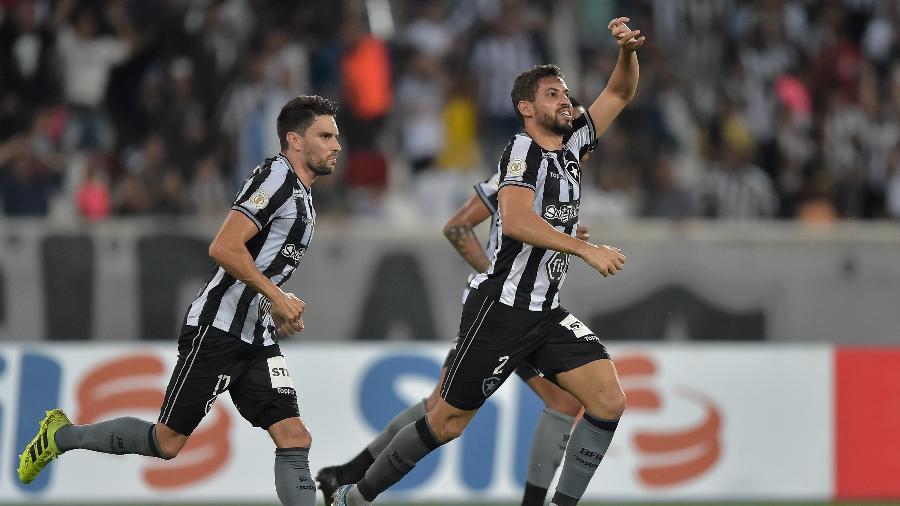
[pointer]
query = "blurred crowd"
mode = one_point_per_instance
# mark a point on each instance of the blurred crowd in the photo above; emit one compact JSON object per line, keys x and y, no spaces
{"x":745,"y":110}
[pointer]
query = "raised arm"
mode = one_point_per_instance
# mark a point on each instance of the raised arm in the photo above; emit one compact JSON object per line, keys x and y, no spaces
{"x":623,"y":82}
{"x":459,"y":231}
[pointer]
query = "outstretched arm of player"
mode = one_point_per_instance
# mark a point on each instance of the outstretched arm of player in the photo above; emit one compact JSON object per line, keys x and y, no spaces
{"x":459,"y":231}
{"x":521,"y":224}
{"x":623,"y":82}
{"x":229,"y":250}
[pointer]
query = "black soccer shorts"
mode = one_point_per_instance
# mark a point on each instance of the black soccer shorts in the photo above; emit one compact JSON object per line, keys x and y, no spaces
{"x":525,"y":371}
{"x":211,"y":361}
{"x":495,"y":339}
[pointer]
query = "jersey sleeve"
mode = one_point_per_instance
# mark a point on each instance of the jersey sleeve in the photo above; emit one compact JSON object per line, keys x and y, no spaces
{"x":487,"y":192}
{"x":520,"y":163}
{"x":583,"y":137}
{"x":263,"y":195}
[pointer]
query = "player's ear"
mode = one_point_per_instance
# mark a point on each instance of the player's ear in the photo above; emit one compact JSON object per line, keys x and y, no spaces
{"x":526,"y":108}
{"x":295,"y":141}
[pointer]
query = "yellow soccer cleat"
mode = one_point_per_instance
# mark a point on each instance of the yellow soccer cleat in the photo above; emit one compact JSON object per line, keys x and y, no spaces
{"x":42,"y":449}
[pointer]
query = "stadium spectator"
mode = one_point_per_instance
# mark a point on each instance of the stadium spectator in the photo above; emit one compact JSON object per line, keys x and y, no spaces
{"x":87,"y":58}
{"x":814,"y":89}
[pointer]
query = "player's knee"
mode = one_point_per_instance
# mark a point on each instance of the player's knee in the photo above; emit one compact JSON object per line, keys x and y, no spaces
{"x":297,"y":437}
{"x":450,"y":430}
{"x":291,"y":433}
{"x":564,"y":403}
{"x":446,"y":429}
{"x":607,"y":404}
{"x":614,"y":403}
{"x":432,"y":400}
{"x":170,"y":444}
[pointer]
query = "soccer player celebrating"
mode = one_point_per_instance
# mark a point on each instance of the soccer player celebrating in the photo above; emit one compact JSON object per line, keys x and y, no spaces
{"x":512,"y":314}
{"x":229,"y":340}
{"x":560,"y":409}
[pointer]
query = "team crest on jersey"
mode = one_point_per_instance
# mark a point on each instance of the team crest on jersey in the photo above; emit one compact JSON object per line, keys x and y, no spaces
{"x":489,"y":385}
{"x":259,"y":199}
{"x":572,"y":168}
{"x":515,"y":168}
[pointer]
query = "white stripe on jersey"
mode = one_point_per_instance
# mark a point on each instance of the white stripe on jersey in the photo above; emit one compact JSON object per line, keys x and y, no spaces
{"x":281,"y":206}
{"x":511,"y":278}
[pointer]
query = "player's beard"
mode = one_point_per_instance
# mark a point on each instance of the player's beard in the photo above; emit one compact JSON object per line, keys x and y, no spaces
{"x":558,"y":127}
{"x":320,"y":167}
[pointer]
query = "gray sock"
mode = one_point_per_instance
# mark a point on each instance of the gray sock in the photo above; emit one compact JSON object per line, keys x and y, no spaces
{"x":406,"y":417}
{"x":408,"y":447}
{"x":119,"y":436}
{"x":548,"y":446}
{"x":293,"y":482}
{"x":589,"y":442}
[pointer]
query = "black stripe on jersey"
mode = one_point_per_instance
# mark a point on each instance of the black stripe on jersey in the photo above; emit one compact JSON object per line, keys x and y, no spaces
{"x":254,"y":246}
{"x":529,"y":276}
{"x":507,"y":253}
{"x":214,"y":299}
{"x":260,"y":174}
{"x":278,"y":264}
{"x":264,"y":170}
{"x":504,"y":159}
{"x":282,"y":194}
{"x":554,"y":285}
{"x":533,"y":159}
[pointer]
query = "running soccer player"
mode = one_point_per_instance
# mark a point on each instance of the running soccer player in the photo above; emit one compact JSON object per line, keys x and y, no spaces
{"x":229,"y":340}
{"x":513,"y":313}
{"x":555,"y":423}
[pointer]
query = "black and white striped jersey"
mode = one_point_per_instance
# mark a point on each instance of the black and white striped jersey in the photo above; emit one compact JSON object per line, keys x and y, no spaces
{"x":487,"y":192}
{"x":281,"y":206}
{"x":521,"y":275}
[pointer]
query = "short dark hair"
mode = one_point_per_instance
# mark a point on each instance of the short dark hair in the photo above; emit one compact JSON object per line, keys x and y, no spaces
{"x":526,"y":84}
{"x":300,"y":112}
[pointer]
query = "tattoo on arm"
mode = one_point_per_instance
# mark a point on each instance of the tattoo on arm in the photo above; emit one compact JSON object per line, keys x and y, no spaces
{"x":466,"y":243}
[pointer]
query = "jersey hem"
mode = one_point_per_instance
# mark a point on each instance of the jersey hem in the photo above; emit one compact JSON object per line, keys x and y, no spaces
{"x":224,"y":327}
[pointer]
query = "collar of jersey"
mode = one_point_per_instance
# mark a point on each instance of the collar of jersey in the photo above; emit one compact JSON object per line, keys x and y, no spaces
{"x":297,"y":178}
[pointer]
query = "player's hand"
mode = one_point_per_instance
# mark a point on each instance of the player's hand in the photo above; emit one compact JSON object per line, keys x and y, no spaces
{"x":581,"y":232}
{"x":606,"y":260}
{"x":629,"y":40}
{"x":287,"y":314}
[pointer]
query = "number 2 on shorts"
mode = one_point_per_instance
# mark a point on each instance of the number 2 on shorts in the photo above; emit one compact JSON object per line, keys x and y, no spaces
{"x":503,"y":360}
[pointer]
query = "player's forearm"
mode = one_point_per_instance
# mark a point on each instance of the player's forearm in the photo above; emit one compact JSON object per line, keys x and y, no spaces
{"x":532,"y":229}
{"x":624,"y":79}
{"x":463,"y":238}
{"x":238,"y":263}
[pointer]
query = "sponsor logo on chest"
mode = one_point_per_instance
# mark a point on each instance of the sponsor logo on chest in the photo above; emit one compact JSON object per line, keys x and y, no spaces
{"x":293,"y":253}
{"x":561,"y":212}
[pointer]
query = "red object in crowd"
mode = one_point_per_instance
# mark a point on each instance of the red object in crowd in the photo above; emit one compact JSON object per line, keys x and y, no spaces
{"x":366,"y":73}
{"x":93,"y":200}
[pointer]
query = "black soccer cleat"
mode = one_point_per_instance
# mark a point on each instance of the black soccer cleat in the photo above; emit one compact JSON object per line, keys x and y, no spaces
{"x":328,"y":482}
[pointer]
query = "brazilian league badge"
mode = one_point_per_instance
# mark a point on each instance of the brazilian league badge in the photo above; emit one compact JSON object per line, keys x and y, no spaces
{"x":259,"y":199}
